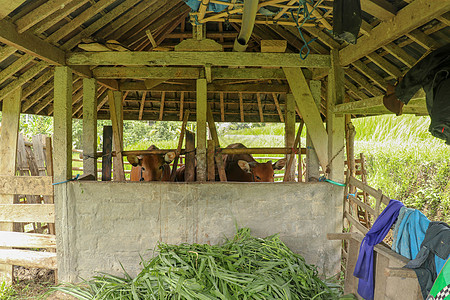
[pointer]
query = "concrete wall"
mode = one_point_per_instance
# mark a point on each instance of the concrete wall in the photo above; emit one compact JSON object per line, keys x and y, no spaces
{"x":111,"y":223}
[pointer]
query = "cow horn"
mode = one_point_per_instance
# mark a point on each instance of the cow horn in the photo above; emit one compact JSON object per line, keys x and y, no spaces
{"x":134,"y":160}
{"x":169,"y":157}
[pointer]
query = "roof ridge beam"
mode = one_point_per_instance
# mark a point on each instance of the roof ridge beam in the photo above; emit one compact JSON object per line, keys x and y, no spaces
{"x":409,"y":18}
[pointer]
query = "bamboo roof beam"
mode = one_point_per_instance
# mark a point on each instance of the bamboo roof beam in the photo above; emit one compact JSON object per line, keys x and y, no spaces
{"x":284,"y":10}
{"x":39,"y":14}
{"x":409,"y":18}
{"x":318,"y":15}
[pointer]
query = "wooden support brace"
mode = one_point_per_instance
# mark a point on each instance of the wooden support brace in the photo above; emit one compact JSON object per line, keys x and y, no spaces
{"x":115,"y":107}
{"x":215,"y":137}
{"x":180,"y":144}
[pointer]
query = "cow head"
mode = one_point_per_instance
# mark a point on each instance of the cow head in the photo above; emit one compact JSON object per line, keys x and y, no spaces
{"x":151,"y":167}
{"x":261,"y":172}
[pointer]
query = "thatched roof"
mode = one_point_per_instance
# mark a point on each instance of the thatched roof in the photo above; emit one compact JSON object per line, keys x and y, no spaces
{"x":36,"y":35}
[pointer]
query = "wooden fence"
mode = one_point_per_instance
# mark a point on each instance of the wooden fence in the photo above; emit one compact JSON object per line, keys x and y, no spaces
{"x":362,"y":205}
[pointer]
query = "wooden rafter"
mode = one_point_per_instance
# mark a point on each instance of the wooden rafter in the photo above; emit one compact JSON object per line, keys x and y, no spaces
{"x":277,"y":105}
{"x":161,"y":108}
{"x":141,"y":108}
{"x":241,"y":107}
{"x":260,"y":109}
{"x":8,"y":6}
{"x":181,"y":106}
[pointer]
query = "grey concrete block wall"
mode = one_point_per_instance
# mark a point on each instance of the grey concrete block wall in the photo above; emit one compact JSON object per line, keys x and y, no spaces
{"x":111,"y":223}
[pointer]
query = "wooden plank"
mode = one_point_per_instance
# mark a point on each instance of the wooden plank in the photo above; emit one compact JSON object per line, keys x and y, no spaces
{"x":358,"y":78}
{"x":89,"y":126}
{"x":371,"y":74}
{"x":385,"y":65}
{"x":339,"y":236}
{"x":44,"y":213}
{"x":277,"y":105}
{"x":181,"y":105}
{"x":8,"y":153}
{"x":30,"y":44}
{"x":381,"y":9}
{"x":400,"y":54}
{"x":310,"y":113}
{"x":236,"y":59}
{"x":9,"y":6}
{"x":423,"y":40}
{"x":399,"y":272}
{"x":107,"y":153}
{"x":201,"y":109}
{"x":377,"y":194}
{"x":27,"y":240}
{"x":189,"y":175}
{"x":39,"y":14}
{"x":116,"y":115}
{"x":30,"y":259}
{"x":380,"y":278}
{"x":409,"y":18}
{"x":351,"y":282}
{"x":15,"y":67}
{"x":354,"y":222}
{"x":222,"y":107}
{"x":363,"y":205}
{"x":26,"y":185}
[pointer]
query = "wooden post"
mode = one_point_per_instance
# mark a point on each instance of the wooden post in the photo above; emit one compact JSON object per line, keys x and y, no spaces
{"x":335,"y":122}
{"x":189,"y":157}
{"x":210,"y":157}
{"x":49,"y":169}
{"x":107,"y":155}
{"x":312,"y":161}
{"x":89,"y":126}
{"x":116,"y":115}
{"x":8,"y":154}
{"x":289,"y":135}
{"x":215,"y":137}
{"x":201,"y":129}
{"x":180,"y":144}
{"x":62,"y":166}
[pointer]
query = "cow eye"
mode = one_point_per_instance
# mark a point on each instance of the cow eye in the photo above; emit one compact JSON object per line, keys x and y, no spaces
{"x":143,"y":169}
{"x":160,"y":167}
{"x":257,"y":177}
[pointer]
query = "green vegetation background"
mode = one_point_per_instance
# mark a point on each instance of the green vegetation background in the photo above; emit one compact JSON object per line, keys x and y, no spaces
{"x":402,"y":158}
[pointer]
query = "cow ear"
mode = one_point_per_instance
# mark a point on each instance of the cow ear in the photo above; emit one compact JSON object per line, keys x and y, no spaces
{"x":245,"y":166}
{"x":279,"y":164}
{"x":169,"y":157}
{"x":134,"y":160}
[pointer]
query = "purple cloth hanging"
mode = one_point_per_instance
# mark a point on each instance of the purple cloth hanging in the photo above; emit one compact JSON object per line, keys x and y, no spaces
{"x":364,"y":265}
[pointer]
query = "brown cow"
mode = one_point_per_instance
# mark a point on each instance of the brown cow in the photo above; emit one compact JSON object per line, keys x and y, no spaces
{"x":151,"y":167}
{"x":244,"y":168}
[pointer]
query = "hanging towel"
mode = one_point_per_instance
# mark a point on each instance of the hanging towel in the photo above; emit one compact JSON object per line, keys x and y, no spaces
{"x":409,"y":232}
{"x":364,"y":265}
{"x":436,"y":242}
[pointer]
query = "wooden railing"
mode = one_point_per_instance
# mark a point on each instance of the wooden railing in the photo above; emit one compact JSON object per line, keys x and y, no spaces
{"x":27,"y":213}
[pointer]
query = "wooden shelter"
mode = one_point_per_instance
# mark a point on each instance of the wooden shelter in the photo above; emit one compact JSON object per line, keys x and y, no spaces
{"x":153,"y":59}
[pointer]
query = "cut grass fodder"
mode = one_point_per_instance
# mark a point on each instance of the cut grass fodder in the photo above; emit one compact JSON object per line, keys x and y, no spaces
{"x":244,"y":267}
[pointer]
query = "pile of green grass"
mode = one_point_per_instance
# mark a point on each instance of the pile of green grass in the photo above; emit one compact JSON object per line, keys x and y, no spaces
{"x":244,"y":267}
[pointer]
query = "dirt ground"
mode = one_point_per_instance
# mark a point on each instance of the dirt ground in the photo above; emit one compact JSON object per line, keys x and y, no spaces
{"x":33,"y":283}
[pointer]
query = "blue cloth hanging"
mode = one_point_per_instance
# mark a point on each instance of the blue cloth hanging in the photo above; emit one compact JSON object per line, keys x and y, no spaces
{"x":195,"y":4}
{"x":364,"y":268}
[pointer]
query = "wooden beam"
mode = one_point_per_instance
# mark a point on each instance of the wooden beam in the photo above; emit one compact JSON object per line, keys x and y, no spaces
{"x":215,"y":137}
{"x":181,"y":105}
{"x":202,"y":9}
{"x":213,"y":87}
{"x":201,"y":111}
{"x":409,"y":18}
{"x":375,"y":105}
{"x":30,"y":44}
{"x":8,"y":154}
{"x":8,"y":6}
{"x":310,"y":113}
{"x":363,"y":68}
{"x":161,"y":108}
{"x":385,"y":65}
{"x":141,"y":108}
{"x":312,"y":161}
{"x":44,"y":213}
{"x":381,"y":9}
{"x":400,"y":54}
{"x":89,"y":126}
{"x":236,"y":59}
{"x":39,"y":14}
{"x":222,"y":107}
{"x":289,"y":135}
{"x":30,"y":102}
{"x":277,"y":105}
{"x":15,"y":67}
{"x":241,"y":107}
{"x":260,"y":108}
{"x":358,"y":78}
{"x":116,"y":115}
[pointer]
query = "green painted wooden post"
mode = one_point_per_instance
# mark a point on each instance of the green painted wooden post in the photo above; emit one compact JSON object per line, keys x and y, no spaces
{"x":8,"y":154}
{"x":89,"y":126}
{"x":62,"y":168}
{"x":201,"y":129}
